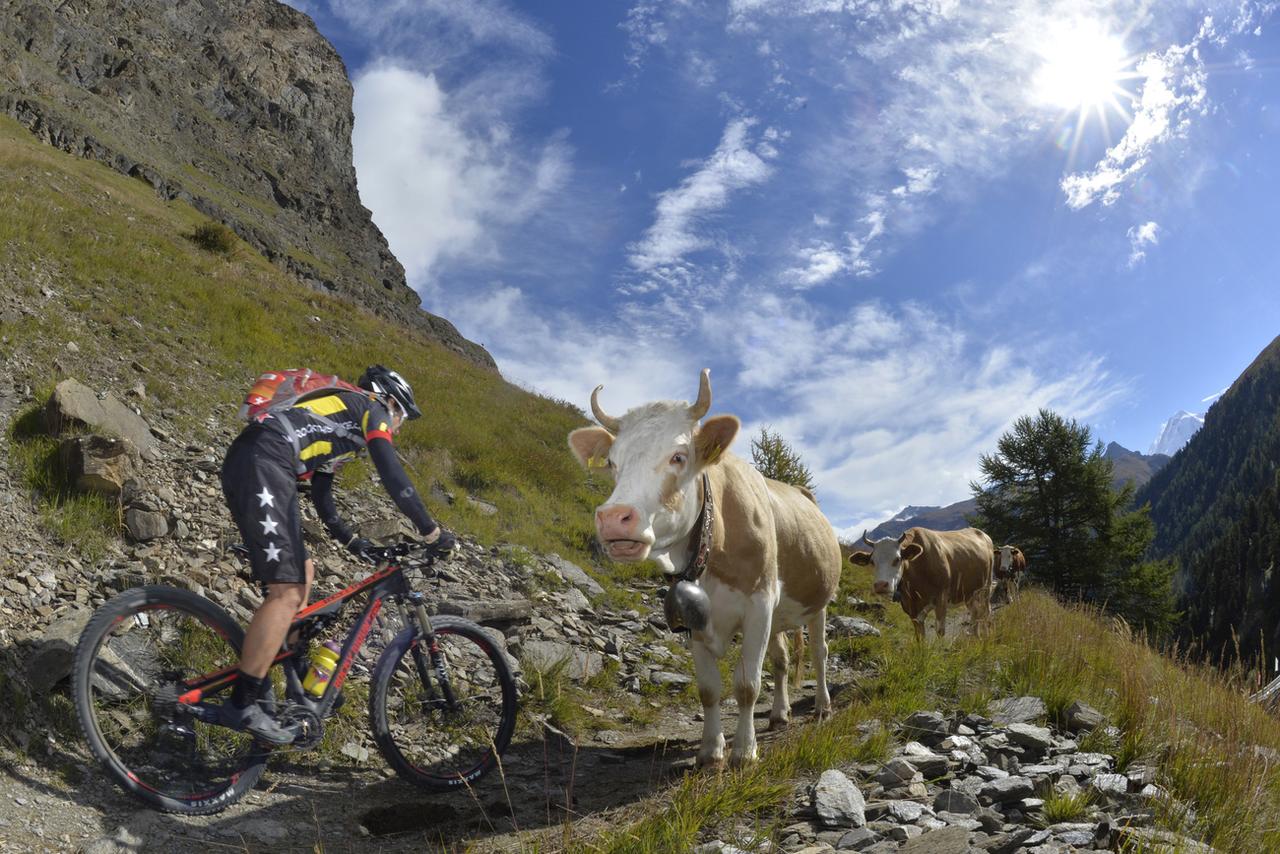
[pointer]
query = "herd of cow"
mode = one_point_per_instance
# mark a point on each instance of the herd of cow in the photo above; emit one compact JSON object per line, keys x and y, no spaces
{"x":753,"y":555}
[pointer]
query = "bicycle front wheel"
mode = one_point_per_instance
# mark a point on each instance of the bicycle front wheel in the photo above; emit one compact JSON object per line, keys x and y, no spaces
{"x":443,"y":721}
{"x":137,"y":654}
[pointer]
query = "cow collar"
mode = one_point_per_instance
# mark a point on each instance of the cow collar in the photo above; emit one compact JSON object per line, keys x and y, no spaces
{"x":700,"y":549}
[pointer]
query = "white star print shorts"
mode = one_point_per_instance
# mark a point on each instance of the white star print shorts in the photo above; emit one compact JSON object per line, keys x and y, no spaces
{"x":261,"y":490}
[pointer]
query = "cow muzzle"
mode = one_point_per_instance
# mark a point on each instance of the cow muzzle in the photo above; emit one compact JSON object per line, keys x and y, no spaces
{"x":618,"y":528}
{"x":686,"y":606}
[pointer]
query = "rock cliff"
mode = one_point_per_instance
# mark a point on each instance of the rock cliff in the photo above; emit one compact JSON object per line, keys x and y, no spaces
{"x":239,"y":107}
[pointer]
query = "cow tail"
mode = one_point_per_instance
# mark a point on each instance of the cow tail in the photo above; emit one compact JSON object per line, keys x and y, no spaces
{"x":797,"y":675}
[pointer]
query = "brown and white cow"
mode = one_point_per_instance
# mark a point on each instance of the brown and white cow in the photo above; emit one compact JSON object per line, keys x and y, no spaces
{"x":1010,"y":564}
{"x":926,"y":569}
{"x":773,"y":562}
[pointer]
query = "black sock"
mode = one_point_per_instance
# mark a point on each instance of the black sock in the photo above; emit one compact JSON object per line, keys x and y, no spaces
{"x":247,"y":690}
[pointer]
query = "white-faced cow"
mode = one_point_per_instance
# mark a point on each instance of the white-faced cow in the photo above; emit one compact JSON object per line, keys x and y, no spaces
{"x":1010,"y":564}
{"x":750,"y":554}
{"x":926,"y":569}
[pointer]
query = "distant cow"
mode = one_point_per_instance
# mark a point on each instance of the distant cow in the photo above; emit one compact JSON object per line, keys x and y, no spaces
{"x":926,"y":569}
{"x":769,"y":562}
{"x":1010,"y":564}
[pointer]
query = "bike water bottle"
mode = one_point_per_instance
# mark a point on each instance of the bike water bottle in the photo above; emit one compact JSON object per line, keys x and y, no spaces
{"x":320,"y":670}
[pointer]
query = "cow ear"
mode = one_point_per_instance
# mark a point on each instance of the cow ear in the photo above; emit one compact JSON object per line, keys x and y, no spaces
{"x":591,"y":446}
{"x":860,"y":558}
{"x":911,"y":551}
{"x":714,"y":438}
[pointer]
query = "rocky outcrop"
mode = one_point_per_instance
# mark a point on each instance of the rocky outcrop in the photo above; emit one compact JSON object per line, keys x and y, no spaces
{"x":238,"y":107}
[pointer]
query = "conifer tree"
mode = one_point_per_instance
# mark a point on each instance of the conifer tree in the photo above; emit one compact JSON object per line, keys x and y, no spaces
{"x":776,"y":459}
{"x":1048,"y":490}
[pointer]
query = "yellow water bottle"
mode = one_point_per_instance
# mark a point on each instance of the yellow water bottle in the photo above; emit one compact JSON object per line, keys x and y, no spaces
{"x":320,"y":671}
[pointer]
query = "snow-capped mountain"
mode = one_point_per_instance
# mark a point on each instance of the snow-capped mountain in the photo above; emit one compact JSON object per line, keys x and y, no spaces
{"x":1176,"y":432}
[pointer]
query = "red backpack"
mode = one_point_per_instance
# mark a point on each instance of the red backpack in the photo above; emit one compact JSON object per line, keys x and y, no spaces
{"x":278,"y":390}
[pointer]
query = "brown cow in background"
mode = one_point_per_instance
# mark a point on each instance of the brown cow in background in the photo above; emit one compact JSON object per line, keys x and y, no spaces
{"x":926,"y":569}
{"x":1010,"y":564}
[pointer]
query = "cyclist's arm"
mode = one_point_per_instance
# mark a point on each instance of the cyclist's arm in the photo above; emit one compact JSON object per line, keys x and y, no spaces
{"x":322,"y":497}
{"x":394,"y":478}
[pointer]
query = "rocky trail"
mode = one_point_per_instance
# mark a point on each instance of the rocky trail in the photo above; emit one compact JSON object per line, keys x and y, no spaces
{"x":951,"y":784}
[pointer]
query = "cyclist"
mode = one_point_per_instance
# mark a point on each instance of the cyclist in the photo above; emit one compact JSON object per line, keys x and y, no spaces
{"x":260,"y":482}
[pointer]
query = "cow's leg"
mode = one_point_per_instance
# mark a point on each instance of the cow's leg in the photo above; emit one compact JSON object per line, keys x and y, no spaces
{"x":980,"y":613}
{"x":780,"y":715}
{"x":818,"y":643}
{"x":756,"y":631}
{"x":706,"y":669}
{"x":940,"y":614}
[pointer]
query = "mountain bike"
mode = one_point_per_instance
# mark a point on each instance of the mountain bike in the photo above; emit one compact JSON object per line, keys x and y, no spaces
{"x":155,"y":662}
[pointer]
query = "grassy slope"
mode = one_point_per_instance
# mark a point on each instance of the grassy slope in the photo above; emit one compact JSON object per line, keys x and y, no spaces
{"x":128,"y":285}
{"x":1215,"y":750}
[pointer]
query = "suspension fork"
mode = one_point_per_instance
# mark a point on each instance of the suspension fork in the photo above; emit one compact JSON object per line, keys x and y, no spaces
{"x":433,"y":660}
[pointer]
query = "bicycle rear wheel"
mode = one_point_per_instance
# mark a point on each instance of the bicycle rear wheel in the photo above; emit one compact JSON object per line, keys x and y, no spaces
{"x":136,"y":655}
{"x":441,"y":734}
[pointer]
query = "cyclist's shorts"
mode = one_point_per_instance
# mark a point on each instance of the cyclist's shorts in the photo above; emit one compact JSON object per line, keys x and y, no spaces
{"x":261,"y":490}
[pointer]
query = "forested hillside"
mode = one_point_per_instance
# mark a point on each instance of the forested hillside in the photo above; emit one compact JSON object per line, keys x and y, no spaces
{"x":1216,"y":509}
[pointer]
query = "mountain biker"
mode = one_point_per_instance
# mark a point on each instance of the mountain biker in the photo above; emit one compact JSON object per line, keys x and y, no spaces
{"x":260,"y":483}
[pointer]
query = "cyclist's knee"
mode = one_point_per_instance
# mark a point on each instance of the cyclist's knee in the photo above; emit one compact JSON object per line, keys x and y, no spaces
{"x":287,"y":594}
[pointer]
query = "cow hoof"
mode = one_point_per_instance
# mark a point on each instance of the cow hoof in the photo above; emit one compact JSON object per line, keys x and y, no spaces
{"x":776,"y":724}
{"x":710,"y":763}
{"x":823,"y":714}
{"x":741,"y":761}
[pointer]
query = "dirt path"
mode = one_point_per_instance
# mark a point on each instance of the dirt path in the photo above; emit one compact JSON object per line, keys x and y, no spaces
{"x":546,"y":781}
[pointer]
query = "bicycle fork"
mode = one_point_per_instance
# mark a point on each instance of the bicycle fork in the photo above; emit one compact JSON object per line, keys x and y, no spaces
{"x":433,"y":660}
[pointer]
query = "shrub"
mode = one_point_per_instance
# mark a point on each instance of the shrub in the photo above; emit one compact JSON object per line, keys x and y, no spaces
{"x":214,"y":237}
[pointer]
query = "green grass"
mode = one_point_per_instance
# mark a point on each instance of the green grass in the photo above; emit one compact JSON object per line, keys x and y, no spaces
{"x":1066,"y":806}
{"x":215,"y":237}
{"x":84,"y":523}
{"x":128,"y":285}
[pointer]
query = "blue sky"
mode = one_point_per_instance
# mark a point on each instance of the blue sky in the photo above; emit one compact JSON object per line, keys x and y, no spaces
{"x":889,"y":227}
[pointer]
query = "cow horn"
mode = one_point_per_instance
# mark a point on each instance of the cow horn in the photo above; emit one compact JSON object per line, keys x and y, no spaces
{"x":867,"y":539}
{"x":703,"y":403}
{"x":606,"y":420}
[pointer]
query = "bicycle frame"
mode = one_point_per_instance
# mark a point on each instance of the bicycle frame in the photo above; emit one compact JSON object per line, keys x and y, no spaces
{"x":387,"y":582}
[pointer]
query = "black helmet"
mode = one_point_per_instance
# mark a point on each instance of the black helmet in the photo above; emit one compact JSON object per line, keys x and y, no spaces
{"x":388,"y":383}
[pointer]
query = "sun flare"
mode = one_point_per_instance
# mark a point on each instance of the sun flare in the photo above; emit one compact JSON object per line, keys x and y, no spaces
{"x":1082,"y":66}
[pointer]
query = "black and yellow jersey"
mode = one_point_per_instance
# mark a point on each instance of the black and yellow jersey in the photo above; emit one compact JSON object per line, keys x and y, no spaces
{"x":330,"y":429}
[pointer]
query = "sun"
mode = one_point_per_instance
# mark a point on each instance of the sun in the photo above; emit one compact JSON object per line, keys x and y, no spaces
{"x":1082,"y":68}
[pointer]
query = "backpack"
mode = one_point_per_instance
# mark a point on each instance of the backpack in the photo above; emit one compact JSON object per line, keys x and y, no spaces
{"x":277,"y":390}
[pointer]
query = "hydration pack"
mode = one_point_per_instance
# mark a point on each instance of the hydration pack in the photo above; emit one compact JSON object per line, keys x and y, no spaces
{"x":277,"y":390}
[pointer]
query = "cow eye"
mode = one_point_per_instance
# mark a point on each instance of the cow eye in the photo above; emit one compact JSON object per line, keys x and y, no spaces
{"x":677,"y":459}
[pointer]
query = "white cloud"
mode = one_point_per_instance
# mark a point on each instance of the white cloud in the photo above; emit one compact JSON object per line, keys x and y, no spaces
{"x":1140,"y":237}
{"x":562,"y":355}
{"x":682,"y":212}
{"x":894,"y":407}
{"x":438,"y":186}
{"x":1173,"y":90}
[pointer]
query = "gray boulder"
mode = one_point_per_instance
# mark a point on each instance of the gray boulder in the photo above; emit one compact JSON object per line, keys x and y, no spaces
{"x":74,"y":405}
{"x":576,"y":575}
{"x":50,"y":662}
{"x":145,"y":525}
{"x":1018,"y":710}
{"x":837,"y":802}
{"x":1081,"y":717}
{"x":850,"y":627}
{"x":99,"y":464}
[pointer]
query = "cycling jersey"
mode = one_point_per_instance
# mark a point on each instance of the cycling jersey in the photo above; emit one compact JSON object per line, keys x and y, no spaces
{"x":308,"y":441}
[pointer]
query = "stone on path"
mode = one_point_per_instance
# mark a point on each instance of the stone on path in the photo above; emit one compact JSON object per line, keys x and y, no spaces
{"x":838,"y":802}
{"x":73,"y":404}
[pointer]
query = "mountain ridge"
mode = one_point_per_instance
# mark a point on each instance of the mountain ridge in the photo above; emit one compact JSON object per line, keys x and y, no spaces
{"x":240,"y":108}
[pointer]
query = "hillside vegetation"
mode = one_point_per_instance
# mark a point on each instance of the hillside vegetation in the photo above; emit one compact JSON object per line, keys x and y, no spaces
{"x":1216,"y":508}
{"x":101,"y":280}
{"x":1215,"y":753}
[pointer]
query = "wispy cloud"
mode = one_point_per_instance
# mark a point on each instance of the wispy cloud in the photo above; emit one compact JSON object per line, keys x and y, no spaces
{"x":894,"y":406}
{"x":1140,"y":237}
{"x":1173,"y":90}
{"x":682,"y":213}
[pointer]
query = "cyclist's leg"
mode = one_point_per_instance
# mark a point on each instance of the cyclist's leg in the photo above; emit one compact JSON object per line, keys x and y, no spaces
{"x":261,"y":492}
